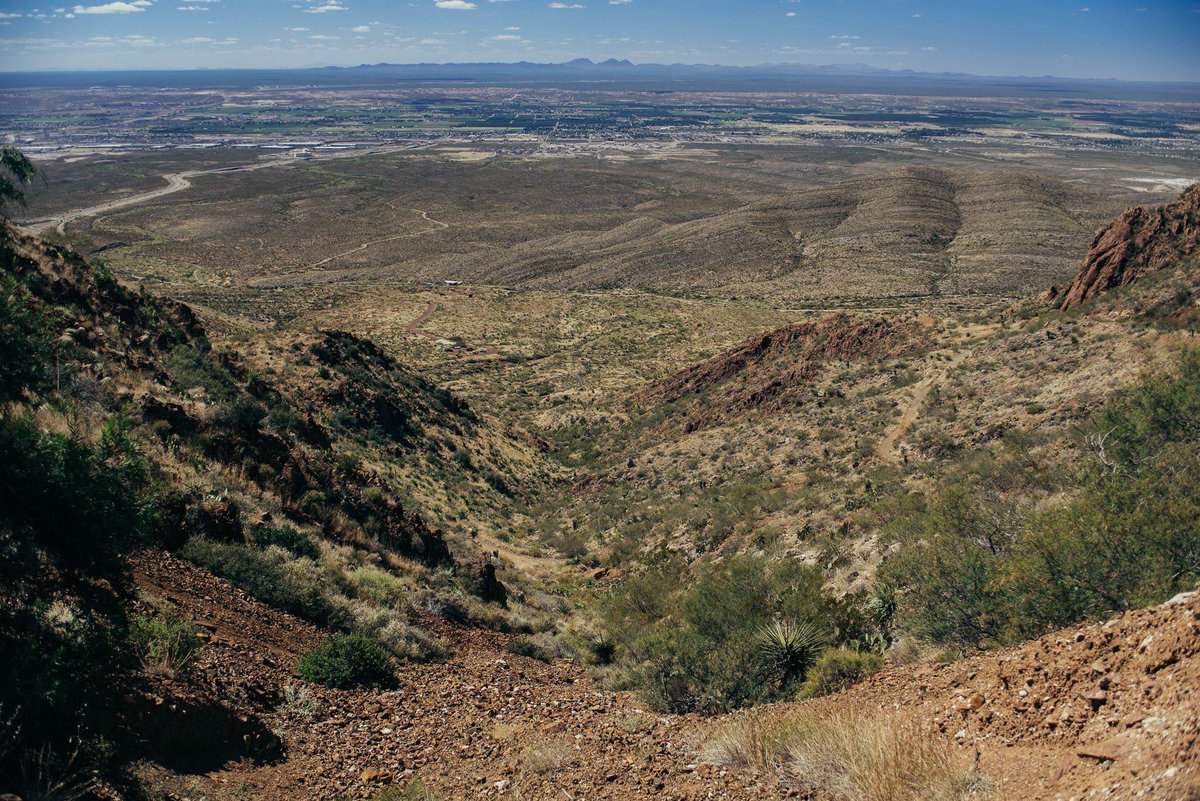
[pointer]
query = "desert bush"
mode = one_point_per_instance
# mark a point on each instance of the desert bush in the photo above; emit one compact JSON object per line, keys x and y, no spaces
{"x":549,"y":756}
{"x":275,"y":577}
{"x":348,"y":660}
{"x":951,"y":563}
{"x":705,"y":647}
{"x":300,"y":702}
{"x":839,"y":669}
{"x":285,"y":537}
{"x":544,"y":647}
{"x":190,"y":368}
{"x":165,"y":642}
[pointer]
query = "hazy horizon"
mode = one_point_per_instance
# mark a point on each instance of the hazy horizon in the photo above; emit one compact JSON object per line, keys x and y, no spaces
{"x":1150,"y":41}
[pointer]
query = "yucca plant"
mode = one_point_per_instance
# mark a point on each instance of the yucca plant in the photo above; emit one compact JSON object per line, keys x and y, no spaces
{"x":789,"y":648}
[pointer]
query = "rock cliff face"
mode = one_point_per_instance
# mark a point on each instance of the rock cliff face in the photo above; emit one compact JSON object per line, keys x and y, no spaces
{"x":1137,"y":243}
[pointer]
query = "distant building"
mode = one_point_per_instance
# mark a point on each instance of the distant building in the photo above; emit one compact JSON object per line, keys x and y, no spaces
{"x":451,"y":282}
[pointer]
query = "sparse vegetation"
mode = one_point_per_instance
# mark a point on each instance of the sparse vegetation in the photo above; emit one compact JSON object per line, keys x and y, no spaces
{"x":853,"y":754}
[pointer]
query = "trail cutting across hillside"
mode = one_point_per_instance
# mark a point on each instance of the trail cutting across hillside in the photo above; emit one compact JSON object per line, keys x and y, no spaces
{"x":887,"y":448}
{"x":438,"y":226}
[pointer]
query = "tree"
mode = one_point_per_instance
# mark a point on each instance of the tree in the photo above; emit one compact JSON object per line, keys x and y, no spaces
{"x":16,"y":170}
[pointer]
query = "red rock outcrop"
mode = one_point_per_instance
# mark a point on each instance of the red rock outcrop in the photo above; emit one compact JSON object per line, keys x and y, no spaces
{"x":1138,"y":242}
{"x":780,"y":367}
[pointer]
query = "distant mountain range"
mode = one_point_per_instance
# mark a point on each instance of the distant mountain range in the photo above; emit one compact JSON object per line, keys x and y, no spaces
{"x":612,"y":73}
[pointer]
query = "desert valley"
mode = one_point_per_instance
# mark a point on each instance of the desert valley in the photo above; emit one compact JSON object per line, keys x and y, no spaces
{"x":598,"y":430}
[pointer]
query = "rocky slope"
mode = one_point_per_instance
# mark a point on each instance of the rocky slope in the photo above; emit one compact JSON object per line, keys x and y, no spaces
{"x":781,"y":367}
{"x":1099,"y":711}
{"x":1139,"y":242}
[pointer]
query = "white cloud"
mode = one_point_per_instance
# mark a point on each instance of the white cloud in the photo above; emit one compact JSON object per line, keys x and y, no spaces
{"x":507,"y":37}
{"x":361,"y":29}
{"x":928,"y":49}
{"x":325,"y":8}
{"x":192,"y":8}
{"x":320,"y":37}
{"x":208,"y":40}
{"x":790,"y":14}
{"x":565,"y":5}
{"x":627,"y":2}
{"x":455,"y":5}
{"x":433,"y":42}
{"x":835,"y":36}
{"x":112,"y":8}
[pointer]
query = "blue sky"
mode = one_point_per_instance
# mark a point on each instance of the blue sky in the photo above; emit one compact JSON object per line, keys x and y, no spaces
{"x":1134,"y":39}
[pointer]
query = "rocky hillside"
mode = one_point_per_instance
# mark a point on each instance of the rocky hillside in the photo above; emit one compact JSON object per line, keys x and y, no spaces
{"x":291,"y":466}
{"x":1105,"y":709}
{"x":781,"y":367}
{"x":1139,"y":242}
{"x":1100,"y":711}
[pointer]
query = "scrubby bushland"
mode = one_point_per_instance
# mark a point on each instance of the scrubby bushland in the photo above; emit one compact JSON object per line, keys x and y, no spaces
{"x":838,"y":669}
{"x":273,"y":576}
{"x":740,"y":632}
{"x":348,"y":660}
{"x":978,"y":567}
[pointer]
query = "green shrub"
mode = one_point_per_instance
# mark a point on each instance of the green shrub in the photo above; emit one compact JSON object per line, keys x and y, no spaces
{"x":285,"y":537}
{"x":67,"y":520}
{"x":706,"y":646}
{"x":976,"y":568}
{"x":789,"y":649}
{"x":839,"y":669}
{"x":165,"y":642}
{"x":24,"y":342}
{"x":348,"y":660}
{"x":274,"y":577}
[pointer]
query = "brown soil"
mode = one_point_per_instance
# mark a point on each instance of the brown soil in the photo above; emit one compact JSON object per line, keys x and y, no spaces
{"x":1100,"y":711}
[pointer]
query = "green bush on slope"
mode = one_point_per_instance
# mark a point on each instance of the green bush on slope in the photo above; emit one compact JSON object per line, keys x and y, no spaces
{"x":977,"y":568}
{"x":348,"y":660}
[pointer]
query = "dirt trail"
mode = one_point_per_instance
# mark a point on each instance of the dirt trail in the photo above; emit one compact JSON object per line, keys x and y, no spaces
{"x":1105,"y":710}
{"x":484,"y":723}
{"x":886,"y":449}
{"x":438,"y":226}
{"x":414,"y":325}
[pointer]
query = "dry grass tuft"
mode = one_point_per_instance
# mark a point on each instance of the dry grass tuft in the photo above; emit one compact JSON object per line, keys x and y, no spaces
{"x":855,"y":754}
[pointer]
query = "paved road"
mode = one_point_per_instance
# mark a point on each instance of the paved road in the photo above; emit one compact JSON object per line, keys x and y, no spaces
{"x":177,"y":182}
